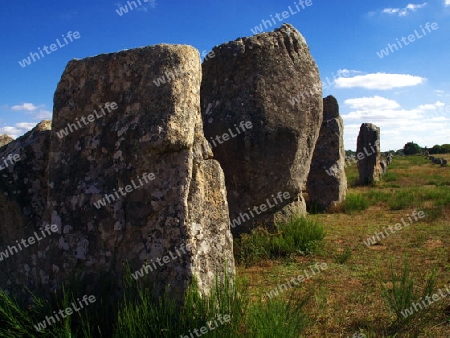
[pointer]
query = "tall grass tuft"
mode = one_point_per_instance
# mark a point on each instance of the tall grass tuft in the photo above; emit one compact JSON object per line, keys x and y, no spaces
{"x":16,"y":321}
{"x":403,"y":294}
{"x":277,"y":318}
{"x":355,"y":203}
{"x":143,"y":316}
{"x":225,"y":312}
{"x":299,"y":235}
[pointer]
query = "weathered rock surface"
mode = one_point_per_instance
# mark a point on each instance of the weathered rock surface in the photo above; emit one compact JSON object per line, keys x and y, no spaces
{"x":327,"y":183}
{"x":23,"y":192}
{"x":24,"y":180}
{"x":368,"y":144}
{"x":114,"y":129}
{"x":255,"y":80}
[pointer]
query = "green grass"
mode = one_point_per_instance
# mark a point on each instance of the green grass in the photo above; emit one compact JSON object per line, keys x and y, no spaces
{"x":355,"y":203}
{"x":227,"y":310}
{"x":403,"y":293}
{"x":286,"y":318}
{"x":390,"y":177}
{"x":300,"y":235}
{"x":18,"y":322}
{"x":416,"y":197}
{"x":377,"y":196}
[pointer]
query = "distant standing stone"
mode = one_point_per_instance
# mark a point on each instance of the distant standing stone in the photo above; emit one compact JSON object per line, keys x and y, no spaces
{"x":369,"y":167}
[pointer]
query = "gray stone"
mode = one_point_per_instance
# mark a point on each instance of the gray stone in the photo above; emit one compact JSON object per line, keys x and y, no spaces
{"x":255,"y":80}
{"x":139,"y":148}
{"x":327,"y":183}
{"x":368,"y":148}
{"x":384,"y":166}
{"x":23,"y":192}
{"x":389,"y":159}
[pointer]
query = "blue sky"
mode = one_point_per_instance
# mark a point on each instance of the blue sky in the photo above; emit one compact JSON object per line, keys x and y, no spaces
{"x":406,"y":92}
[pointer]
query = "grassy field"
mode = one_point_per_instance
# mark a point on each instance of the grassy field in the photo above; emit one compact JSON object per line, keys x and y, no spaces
{"x":348,"y":296}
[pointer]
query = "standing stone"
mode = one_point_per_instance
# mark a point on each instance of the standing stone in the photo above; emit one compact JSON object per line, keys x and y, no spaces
{"x":368,"y":145}
{"x":262,"y":134}
{"x":5,"y":139}
{"x":327,"y":183}
{"x":389,"y":159}
{"x":384,"y":166}
{"x":120,"y":138}
{"x":23,"y":193}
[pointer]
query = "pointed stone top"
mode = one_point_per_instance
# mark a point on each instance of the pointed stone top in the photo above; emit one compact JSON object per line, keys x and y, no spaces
{"x":5,"y":139}
{"x":330,"y":108}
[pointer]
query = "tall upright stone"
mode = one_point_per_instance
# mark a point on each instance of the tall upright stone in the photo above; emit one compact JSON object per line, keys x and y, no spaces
{"x":131,"y":177}
{"x":327,"y":183}
{"x":23,"y":193}
{"x":368,"y":148}
{"x":262,"y":110}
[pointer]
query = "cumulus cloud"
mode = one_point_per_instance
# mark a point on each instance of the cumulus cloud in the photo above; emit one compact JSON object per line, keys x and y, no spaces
{"x":380,"y":81}
{"x":378,"y":108}
{"x":447,"y":3}
{"x":37,"y":111}
{"x":24,"y":107}
{"x":369,"y":103}
{"x":427,"y":124}
{"x":406,"y":10}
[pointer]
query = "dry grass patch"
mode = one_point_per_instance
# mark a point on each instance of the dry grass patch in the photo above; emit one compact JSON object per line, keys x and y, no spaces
{"x":348,"y":296}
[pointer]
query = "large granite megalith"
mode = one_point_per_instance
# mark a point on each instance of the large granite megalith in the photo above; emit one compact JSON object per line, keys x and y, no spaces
{"x":131,"y":179}
{"x":23,"y":193}
{"x":368,"y":154}
{"x":262,"y":110}
{"x":327,"y":183}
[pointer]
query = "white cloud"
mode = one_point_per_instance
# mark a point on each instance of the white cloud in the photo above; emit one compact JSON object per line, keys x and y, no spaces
{"x":24,"y":107}
{"x":38,"y":112}
{"x":391,"y":10}
{"x":369,"y":103}
{"x":415,"y":7}
{"x":424,"y":107}
{"x":447,"y":3}
{"x":18,"y":129}
{"x":380,"y":108}
{"x":406,"y":10}
{"x":380,"y":81}
{"x":426,"y":124}
{"x":347,"y":72}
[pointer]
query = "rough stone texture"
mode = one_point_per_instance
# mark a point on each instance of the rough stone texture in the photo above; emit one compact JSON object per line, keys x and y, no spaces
{"x":23,"y":190}
{"x":368,"y":143}
{"x":389,"y":159}
{"x":5,"y":139}
{"x":384,"y":166}
{"x":155,"y":129}
{"x":327,"y":183}
{"x":25,"y":181}
{"x":255,"y":79}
